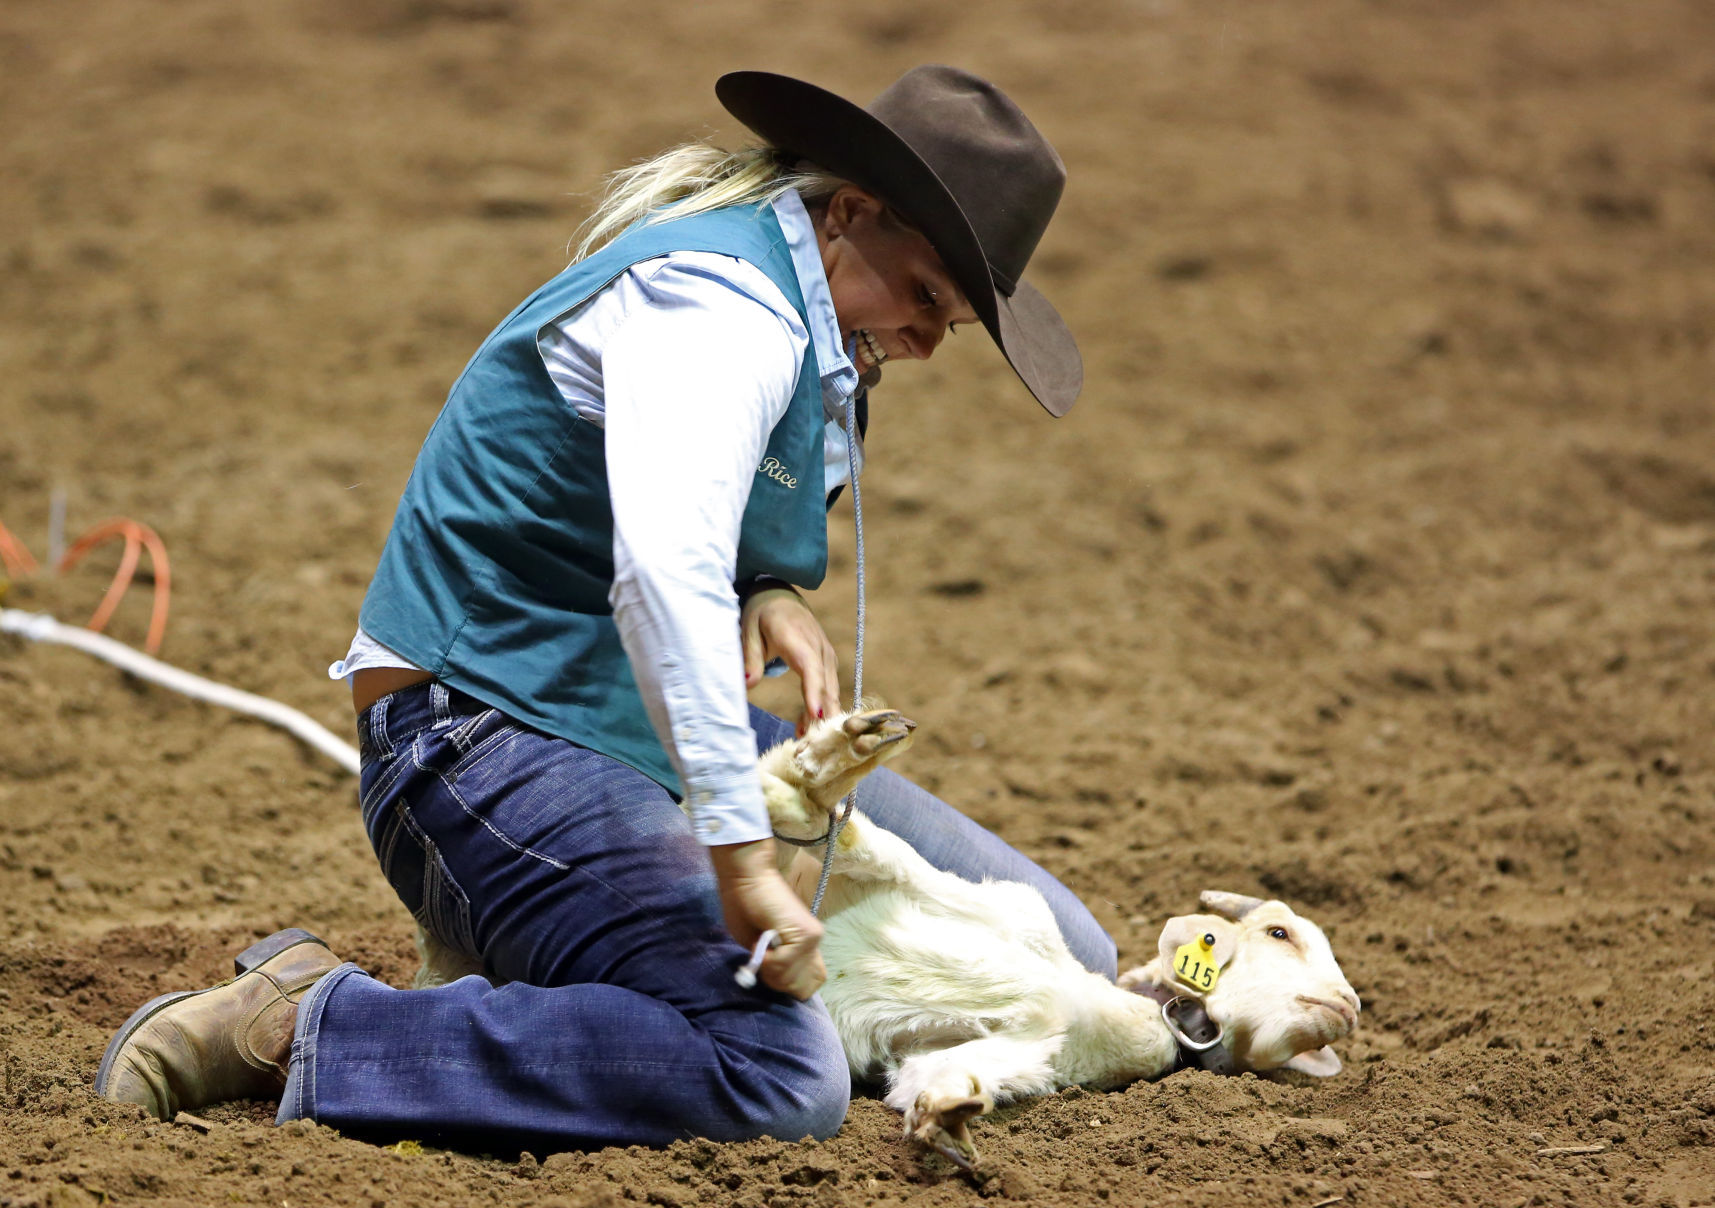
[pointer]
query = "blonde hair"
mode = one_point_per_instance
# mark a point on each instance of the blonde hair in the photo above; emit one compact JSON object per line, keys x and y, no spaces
{"x":694,"y":178}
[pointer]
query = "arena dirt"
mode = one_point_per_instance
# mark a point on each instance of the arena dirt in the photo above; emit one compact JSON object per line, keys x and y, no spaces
{"x":1374,"y":570}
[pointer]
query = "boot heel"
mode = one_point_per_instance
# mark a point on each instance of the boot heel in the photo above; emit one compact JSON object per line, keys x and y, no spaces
{"x":267,"y":949}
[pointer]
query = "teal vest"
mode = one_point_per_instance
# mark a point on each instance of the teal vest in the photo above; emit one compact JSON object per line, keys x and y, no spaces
{"x":496,"y":572}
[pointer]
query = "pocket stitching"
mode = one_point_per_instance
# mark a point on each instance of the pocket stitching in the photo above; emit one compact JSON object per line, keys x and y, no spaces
{"x":438,"y":879}
{"x":460,"y":735}
{"x":485,"y":748}
{"x":368,"y":801}
{"x":452,"y":789}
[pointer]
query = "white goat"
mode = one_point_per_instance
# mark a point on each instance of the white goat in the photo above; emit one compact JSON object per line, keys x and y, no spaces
{"x":963,"y":995}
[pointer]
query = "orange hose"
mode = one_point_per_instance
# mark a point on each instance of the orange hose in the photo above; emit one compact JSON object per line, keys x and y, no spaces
{"x":121,"y":577}
{"x":163,"y":587}
{"x":138,"y":537}
{"x":14,"y":556}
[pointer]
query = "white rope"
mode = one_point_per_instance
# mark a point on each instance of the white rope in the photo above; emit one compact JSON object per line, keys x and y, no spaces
{"x":857,"y":655}
{"x":37,"y":627}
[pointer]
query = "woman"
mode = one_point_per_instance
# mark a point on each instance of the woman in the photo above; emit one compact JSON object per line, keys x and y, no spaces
{"x":605,"y":524}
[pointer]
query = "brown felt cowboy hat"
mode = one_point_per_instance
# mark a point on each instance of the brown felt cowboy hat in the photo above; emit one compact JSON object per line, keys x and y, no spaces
{"x":958,"y":159}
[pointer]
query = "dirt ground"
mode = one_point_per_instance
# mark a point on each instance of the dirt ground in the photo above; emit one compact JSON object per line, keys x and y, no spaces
{"x":1374,"y":571}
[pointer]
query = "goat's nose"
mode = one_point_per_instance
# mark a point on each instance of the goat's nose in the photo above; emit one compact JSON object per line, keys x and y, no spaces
{"x":1351,"y":996}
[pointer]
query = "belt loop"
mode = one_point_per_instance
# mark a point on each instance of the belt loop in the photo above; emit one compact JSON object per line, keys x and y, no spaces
{"x":442,"y":701}
{"x":378,"y":739}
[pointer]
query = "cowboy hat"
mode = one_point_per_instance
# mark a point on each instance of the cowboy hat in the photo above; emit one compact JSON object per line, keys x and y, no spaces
{"x":959,"y":160}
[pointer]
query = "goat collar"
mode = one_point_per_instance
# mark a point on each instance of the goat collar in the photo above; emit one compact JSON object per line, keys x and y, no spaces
{"x":1198,"y":1036}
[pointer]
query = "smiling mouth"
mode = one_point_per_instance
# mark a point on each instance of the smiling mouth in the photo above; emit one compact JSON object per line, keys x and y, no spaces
{"x":869,"y":347}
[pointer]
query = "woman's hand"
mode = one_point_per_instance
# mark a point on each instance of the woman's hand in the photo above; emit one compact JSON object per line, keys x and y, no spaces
{"x":776,"y":623}
{"x":756,"y":898}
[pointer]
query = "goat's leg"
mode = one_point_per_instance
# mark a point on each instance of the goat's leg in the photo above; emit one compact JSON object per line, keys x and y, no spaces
{"x":790,"y":812}
{"x":804,"y":780}
{"x":865,"y":851}
{"x":440,"y":964}
{"x":940,"y":1092}
{"x":872,"y":853}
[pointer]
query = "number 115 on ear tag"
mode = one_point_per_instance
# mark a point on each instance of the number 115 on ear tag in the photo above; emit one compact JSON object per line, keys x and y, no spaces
{"x":1194,"y":963}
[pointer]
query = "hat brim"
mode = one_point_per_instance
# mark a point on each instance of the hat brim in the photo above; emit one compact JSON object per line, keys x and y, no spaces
{"x":850,"y":142}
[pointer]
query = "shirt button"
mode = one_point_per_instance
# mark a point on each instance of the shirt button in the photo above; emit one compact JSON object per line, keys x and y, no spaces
{"x":712,"y":826}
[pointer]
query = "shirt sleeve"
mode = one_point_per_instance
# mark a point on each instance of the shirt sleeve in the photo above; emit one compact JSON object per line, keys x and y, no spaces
{"x":695,"y":376}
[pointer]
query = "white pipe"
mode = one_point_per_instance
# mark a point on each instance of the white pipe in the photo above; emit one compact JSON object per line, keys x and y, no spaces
{"x":38,"y":627}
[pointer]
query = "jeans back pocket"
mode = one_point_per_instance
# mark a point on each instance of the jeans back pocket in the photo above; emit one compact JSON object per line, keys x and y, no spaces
{"x":413,"y":865}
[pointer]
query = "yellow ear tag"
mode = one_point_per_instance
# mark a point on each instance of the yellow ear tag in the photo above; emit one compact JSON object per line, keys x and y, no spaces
{"x":1194,"y":963}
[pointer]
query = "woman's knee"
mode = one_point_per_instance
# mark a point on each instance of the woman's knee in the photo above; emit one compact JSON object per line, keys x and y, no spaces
{"x":796,"y":1080}
{"x":817,"y":1108}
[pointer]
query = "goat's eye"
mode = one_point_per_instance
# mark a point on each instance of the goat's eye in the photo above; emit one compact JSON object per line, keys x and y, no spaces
{"x":1278,"y":933}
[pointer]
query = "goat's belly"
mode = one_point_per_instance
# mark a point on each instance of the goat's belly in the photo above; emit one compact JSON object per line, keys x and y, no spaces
{"x":878,"y":1031}
{"x":901,"y":979}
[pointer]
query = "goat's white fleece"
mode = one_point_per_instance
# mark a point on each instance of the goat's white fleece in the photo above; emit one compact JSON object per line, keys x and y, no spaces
{"x":931,"y":974}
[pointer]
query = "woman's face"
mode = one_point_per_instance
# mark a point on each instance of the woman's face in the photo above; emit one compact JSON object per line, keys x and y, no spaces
{"x":891,"y":292}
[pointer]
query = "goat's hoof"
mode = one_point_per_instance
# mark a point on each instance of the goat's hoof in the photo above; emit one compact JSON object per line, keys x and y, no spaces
{"x":944,"y":1126}
{"x":875,"y":729}
{"x":829,"y":752}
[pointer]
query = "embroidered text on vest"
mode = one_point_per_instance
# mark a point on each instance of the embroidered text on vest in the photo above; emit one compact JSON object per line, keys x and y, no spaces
{"x":772,"y":468}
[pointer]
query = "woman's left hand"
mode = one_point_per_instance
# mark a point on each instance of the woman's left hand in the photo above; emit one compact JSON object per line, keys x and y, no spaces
{"x":756,"y":898}
{"x":776,"y":623}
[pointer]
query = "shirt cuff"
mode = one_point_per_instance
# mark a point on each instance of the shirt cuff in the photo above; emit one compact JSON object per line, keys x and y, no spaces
{"x":728,"y":810}
{"x":750,"y":587}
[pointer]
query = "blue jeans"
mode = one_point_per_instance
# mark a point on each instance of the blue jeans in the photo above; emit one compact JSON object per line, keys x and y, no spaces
{"x":577,"y":882}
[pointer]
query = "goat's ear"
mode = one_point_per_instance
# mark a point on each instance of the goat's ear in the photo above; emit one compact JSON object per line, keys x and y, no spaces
{"x":1188,"y":928}
{"x":1320,"y":1063}
{"x":1231,"y":905}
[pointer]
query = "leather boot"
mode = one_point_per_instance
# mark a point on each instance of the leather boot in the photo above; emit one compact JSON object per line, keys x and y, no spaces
{"x":182,"y":1051}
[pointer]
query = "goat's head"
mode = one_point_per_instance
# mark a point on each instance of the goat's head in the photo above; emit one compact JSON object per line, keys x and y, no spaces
{"x":1279,"y":997}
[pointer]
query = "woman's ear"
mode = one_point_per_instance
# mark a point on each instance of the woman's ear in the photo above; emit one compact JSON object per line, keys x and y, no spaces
{"x":849,"y":204}
{"x":1220,"y":935}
